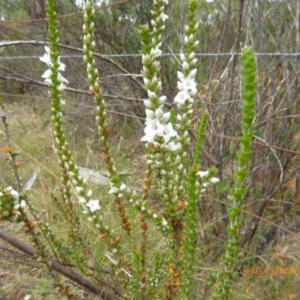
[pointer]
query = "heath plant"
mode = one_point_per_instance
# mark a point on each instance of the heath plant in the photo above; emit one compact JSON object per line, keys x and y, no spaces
{"x":136,"y":270}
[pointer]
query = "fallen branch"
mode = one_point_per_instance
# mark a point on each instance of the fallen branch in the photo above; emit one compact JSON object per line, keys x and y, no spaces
{"x":56,"y":266}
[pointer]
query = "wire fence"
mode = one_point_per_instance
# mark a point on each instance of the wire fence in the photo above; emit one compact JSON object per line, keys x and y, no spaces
{"x":271,"y":54}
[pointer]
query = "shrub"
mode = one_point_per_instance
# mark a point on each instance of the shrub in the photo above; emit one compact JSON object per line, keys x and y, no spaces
{"x":135,"y":270}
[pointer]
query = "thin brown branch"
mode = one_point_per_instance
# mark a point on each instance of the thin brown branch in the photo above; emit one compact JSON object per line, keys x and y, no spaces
{"x":56,"y":266}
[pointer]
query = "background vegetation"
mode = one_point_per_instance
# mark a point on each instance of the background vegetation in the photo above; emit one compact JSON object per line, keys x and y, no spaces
{"x":271,"y":207}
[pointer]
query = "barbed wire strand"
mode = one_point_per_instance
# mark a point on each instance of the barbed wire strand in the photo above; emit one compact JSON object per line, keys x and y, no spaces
{"x":274,"y":54}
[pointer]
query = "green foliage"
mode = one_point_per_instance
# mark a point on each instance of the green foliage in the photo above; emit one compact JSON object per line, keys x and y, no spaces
{"x":243,"y":157}
{"x":145,"y":242}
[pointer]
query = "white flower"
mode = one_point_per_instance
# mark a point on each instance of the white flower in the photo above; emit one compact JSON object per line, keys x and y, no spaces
{"x":187,"y":84}
{"x":172,"y":146}
{"x":146,"y":59}
{"x":214,"y":180}
{"x":61,"y":66}
{"x":182,"y":97}
{"x":46,"y":57}
{"x":22,"y":204}
{"x":12,"y":192}
{"x":62,"y":79}
{"x":152,"y":129}
{"x":122,"y":187}
{"x":148,"y":104}
{"x":166,"y":117}
{"x":159,"y":113}
{"x":93,"y":205}
{"x":113,"y":190}
{"x":149,"y":114}
{"x":151,"y":95}
{"x":185,"y":65}
{"x":203,"y":174}
{"x":164,"y":17}
{"x":155,"y":52}
{"x":193,"y":73}
{"x":79,"y":189}
{"x":192,"y":55}
{"x":194,"y":61}
{"x":89,"y":193}
{"x":15,"y":194}
{"x":168,"y":132}
{"x":162,"y":100}
{"x":180,"y":75}
{"x":81,"y":200}
{"x":47,"y":75}
{"x":182,"y":57}
{"x":61,"y":87}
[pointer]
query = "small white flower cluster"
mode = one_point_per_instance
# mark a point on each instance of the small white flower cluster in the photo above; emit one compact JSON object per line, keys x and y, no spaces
{"x":158,"y":125}
{"x":93,"y":205}
{"x":61,"y":67}
{"x":118,"y":190}
{"x":88,"y":5}
{"x":159,"y":130}
{"x":141,"y":206}
{"x":206,"y":180}
{"x":18,"y":204}
{"x":158,"y":24}
{"x":187,"y":86}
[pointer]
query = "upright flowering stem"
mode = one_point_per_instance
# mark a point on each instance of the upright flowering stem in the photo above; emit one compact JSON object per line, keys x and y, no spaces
{"x":167,"y":155}
{"x":95,"y":90}
{"x":189,"y":243}
{"x":56,"y":85}
{"x":161,"y":140}
{"x":119,"y":190}
{"x":243,"y":157}
{"x":186,"y":183}
{"x":187,"y":88}
{"x":93,"y":77}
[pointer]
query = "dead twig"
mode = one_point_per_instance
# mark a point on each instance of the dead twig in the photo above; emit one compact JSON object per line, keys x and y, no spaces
{"x":56,"y":266}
